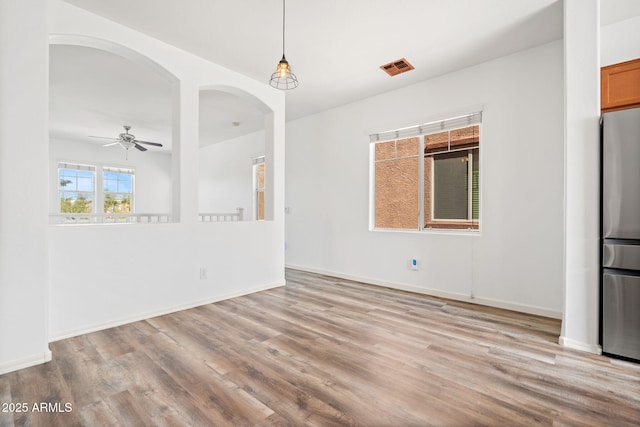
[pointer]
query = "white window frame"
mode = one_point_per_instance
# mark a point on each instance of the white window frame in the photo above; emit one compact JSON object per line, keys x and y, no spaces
{"x":469,"y":153}
{"x":118,"y":170}
{"x":98,"y":183}
{"x":432,"y":127}
{"x":77,"y":166}
{"x":254,"y":182}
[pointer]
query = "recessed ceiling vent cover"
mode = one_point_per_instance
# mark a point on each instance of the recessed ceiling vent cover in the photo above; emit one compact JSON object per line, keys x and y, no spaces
{"x":397,"y":67}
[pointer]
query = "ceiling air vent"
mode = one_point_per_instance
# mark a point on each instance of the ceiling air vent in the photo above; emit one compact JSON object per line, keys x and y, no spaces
{"x":397,"y":67}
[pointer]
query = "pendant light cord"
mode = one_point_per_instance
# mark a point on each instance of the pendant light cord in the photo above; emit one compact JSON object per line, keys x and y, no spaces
{"x":283,"y":78}
{"x":283,"y":19}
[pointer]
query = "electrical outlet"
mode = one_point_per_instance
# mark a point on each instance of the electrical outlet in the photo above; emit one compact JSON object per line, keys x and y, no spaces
{"x":203,"y":273}
{"x":414,"y":264}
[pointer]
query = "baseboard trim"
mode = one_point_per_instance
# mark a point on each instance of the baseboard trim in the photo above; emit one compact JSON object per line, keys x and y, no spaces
{"x":579,"y":345}
{"x":26,"y":362}
{"x":149,"y":315}
{"x":522,"y":308}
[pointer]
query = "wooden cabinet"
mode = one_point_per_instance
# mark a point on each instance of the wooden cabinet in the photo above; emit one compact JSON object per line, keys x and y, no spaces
{"x":620,"y":86}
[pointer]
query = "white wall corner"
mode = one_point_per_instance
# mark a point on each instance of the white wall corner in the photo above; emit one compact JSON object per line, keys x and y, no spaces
{"x":148,"y":315}
{"x":489,"y":302}
{"x":25,"y":362}
{"x":578,"y":345}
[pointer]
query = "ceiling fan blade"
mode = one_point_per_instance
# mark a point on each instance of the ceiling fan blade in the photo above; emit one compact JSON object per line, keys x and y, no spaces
{"x":139,"y":147}
{"x":156,"y":144}
{"x":102,"y":137}
{"x":111,"y":143}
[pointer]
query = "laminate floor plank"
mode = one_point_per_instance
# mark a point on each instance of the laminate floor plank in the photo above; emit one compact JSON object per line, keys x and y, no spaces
{"x":323,"y":351}
{"x":229,"y":403}
{"x":483,"y":375}
{"x":309,"y":392}
{"x":126,"y":407}
{"x":88,"y":378}
{"x":151,"y":380}
{"x":282,"y":393}
{"x":330,"y":387}
{"x":159,"y":410}
{"x":368,"y":373}
{"x":98,"y":414}
{"x":6,"y":398}
{"x":44,"y":394}
{"x":111,"y":344}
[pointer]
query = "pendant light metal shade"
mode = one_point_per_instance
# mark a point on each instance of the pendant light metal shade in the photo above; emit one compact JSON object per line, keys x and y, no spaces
{"x":283,"y":78}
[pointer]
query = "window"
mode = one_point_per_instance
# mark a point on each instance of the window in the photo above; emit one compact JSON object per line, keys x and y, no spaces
{"x":76,"y":188}
{"x":397,"y":185}
{"x":117,"y":190}
{"x":78,"y":192}
{"x":428,"y":176}
{"x":451,"y":168}
{"x":259,"y":186}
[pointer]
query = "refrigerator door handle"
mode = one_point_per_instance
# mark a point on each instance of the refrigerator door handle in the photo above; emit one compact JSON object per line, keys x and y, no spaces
{"x":621,"y":256}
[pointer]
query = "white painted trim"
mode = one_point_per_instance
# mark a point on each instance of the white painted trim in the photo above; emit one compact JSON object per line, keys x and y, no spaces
{"x":25,"y":362}
{"x":577,"y":345}
{"x":522,"y":308}
{"x":149,"y":315}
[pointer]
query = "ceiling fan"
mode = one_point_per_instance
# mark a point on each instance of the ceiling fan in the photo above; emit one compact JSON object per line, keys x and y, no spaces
{"x":127,"y":140}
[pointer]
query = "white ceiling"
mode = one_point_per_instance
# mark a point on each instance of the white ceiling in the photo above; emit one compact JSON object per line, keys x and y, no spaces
{"x":334,"y":46}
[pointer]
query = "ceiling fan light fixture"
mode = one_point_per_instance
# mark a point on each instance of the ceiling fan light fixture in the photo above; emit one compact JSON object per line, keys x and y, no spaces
{"x":283,"y":78}
{"x":127,"y":140}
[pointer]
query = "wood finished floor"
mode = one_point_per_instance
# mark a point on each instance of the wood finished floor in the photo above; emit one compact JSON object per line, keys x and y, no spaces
{"x":324,"y":351}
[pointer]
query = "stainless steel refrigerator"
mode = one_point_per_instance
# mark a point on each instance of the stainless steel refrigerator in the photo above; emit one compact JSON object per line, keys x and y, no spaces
{"x":620,"y":294}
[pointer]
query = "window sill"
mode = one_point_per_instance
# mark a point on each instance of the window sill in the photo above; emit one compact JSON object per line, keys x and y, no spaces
{"x":452,"y":225}
{"x":466,"y":231}
{"x":102,"y":219}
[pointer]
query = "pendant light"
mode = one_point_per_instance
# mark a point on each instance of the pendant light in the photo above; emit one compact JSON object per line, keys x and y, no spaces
{"x":283,"y":78}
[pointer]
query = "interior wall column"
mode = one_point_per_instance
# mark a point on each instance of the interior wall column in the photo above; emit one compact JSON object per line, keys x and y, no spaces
{"x":24,"y":166}
{"x":580,"y":323}
{"x":185,"y":151}
{"x":269,"y":147}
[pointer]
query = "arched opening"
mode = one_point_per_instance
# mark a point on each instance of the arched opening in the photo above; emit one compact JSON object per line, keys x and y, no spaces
{"x":96,"y":89}
{"x":235,"y":162}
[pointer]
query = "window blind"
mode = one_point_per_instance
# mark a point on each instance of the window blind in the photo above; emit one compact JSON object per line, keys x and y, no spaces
{"x":74,"y":166}
{"x":428,"y":128}
{"x":118,"y":170}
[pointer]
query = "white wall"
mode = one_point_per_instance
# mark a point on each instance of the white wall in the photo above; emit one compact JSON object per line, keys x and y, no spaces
{"x":516,"y":260}
{"x":582,"y":163}
{"x":23,"y":184}
{"x":105,"y":275}
{"x":619,"y":42}
{"x":225,"y":181}
{"x":153,"y":187}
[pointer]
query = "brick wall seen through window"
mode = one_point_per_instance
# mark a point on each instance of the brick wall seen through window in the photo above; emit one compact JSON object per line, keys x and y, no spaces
{"x":428,"y":181}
